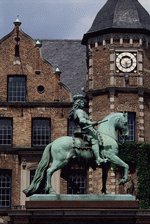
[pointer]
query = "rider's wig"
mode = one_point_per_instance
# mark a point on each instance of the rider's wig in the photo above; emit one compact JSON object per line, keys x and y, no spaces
{"x":76,"y":105}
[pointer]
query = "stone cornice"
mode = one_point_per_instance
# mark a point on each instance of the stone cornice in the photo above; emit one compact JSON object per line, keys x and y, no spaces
{"x":36,"y":104}
{"x":136,"y":90}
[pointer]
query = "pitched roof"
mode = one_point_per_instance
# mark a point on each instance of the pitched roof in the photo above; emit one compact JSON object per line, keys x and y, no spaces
{"x":70,"y":56}
{"x":117,"y":15}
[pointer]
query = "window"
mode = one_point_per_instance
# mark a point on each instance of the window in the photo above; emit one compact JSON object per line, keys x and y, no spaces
{"x":17,"y":50}
{"x":77,"y":182}
{"x":16,"y":89}
{"x":41,"y":132}
{"x":71,"y":127}
{"x":40,"y":89}
{"x":5,"y":188}
{"x":6,"y":131}
{"x":131,"y":125}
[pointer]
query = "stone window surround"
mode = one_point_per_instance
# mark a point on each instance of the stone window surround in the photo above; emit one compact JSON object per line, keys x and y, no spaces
{"x":26,"y":167}
{"x":127,"y":49}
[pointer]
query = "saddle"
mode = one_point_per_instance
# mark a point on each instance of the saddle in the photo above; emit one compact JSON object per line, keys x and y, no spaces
{"x":85,"y":137}
{"x":79,"y":143}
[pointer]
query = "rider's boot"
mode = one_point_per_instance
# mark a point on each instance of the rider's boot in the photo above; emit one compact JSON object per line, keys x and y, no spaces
{"x":95,"y":148}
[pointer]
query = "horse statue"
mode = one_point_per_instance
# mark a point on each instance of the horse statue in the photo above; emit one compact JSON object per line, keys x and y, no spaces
{"x":68,"y":148}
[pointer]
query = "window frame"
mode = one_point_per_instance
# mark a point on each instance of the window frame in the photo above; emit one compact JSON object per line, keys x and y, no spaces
{"x":10,"y":124}
{"x":13,"y":96}
{"x":40,"y":119}
{"x":77,"y":172}
{"x":9,"y":173}
{"x":133,"y":114}
{"x":73,"y":128}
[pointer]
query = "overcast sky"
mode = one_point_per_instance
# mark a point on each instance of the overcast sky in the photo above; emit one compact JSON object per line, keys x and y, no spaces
{"x":52,"y":19}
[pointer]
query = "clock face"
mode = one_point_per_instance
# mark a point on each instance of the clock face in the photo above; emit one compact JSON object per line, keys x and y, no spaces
{"x":126,"y":62}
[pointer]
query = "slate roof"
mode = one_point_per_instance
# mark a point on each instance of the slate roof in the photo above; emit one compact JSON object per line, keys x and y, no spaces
{"x":70,"y":56}
{"x":120,"y":15}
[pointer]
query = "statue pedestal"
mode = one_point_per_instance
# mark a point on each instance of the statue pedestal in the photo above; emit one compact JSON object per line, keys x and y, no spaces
{"x":47,"y":201}
{"x":65,"y":209}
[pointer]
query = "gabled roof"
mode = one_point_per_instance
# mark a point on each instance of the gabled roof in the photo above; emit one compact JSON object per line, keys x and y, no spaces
{"x":70,"y":56}
{"x":120,"y":16}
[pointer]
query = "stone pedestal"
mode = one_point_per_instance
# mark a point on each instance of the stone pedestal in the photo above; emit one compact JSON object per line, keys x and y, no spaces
{"x":82,"y":202}
{"x":83,"y":209}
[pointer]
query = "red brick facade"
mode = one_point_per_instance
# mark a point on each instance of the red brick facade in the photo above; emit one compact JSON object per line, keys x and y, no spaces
{"x":108,"y":91}
{"x":53,"y":103}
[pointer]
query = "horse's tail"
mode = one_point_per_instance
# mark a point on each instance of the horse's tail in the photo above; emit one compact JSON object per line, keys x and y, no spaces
{"x":39,"y":173}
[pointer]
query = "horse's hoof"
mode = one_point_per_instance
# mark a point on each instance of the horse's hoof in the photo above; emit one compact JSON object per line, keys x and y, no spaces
{"x":122,"y":181}
{"x":105,"y":192}
{"x":52,"y":192}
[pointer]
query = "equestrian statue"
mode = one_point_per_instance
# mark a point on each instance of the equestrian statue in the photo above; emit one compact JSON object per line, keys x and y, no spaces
{"x":88,"y":144}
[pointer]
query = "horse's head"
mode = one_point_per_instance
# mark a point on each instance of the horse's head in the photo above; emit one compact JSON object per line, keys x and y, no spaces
{"x":123,"y":125}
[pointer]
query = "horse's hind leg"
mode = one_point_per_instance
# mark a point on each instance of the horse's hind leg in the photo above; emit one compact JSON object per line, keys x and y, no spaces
{"x":105,"y":170}
{"x":56,"y":165}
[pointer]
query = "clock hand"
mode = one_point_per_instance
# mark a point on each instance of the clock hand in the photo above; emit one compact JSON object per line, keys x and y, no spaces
{"x":126,"y":62}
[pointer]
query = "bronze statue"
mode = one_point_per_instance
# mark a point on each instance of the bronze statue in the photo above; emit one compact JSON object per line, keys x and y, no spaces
{"x":85,"y":127}
{"x":68,"y":148}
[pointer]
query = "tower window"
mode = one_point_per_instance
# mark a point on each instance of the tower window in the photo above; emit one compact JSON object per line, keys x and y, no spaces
{"x":131,"y":125}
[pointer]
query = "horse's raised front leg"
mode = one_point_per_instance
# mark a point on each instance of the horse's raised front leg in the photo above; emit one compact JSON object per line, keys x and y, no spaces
{"x":116,"y":160}
{"x":105,"y":170}
{"x":56,"y":165}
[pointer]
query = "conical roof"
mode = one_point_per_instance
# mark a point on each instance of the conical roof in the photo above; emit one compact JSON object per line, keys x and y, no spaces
{"x":120,"y":16}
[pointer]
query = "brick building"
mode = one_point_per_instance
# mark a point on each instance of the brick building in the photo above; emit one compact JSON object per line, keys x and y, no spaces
{"x":35,"y":97}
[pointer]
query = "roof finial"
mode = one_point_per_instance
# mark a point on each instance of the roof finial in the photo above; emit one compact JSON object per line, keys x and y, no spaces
{"x":17,"y":22}
{"x":38,"y":44}
{"x":57,"y":71}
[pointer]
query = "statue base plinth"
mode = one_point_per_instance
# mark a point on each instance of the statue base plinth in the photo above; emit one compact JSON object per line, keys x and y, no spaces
{"x":109,"y":201}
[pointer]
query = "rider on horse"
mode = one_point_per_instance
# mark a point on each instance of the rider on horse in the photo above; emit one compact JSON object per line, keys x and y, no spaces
{"x":85,"y":126}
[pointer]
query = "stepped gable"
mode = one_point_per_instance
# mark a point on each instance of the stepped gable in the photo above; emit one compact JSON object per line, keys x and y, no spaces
{"x":120,"y":16}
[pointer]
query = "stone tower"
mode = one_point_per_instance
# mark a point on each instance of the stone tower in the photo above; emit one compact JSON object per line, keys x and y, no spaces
{"x":118,"y":62}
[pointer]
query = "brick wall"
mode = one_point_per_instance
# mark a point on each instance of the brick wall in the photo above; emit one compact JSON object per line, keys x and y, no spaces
{"x":111,"y":91}
{"x":11,"y":162}
{"x":38,"y":72}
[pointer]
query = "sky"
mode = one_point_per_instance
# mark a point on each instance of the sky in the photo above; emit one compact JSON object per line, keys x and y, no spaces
{"x":52,"y":19}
